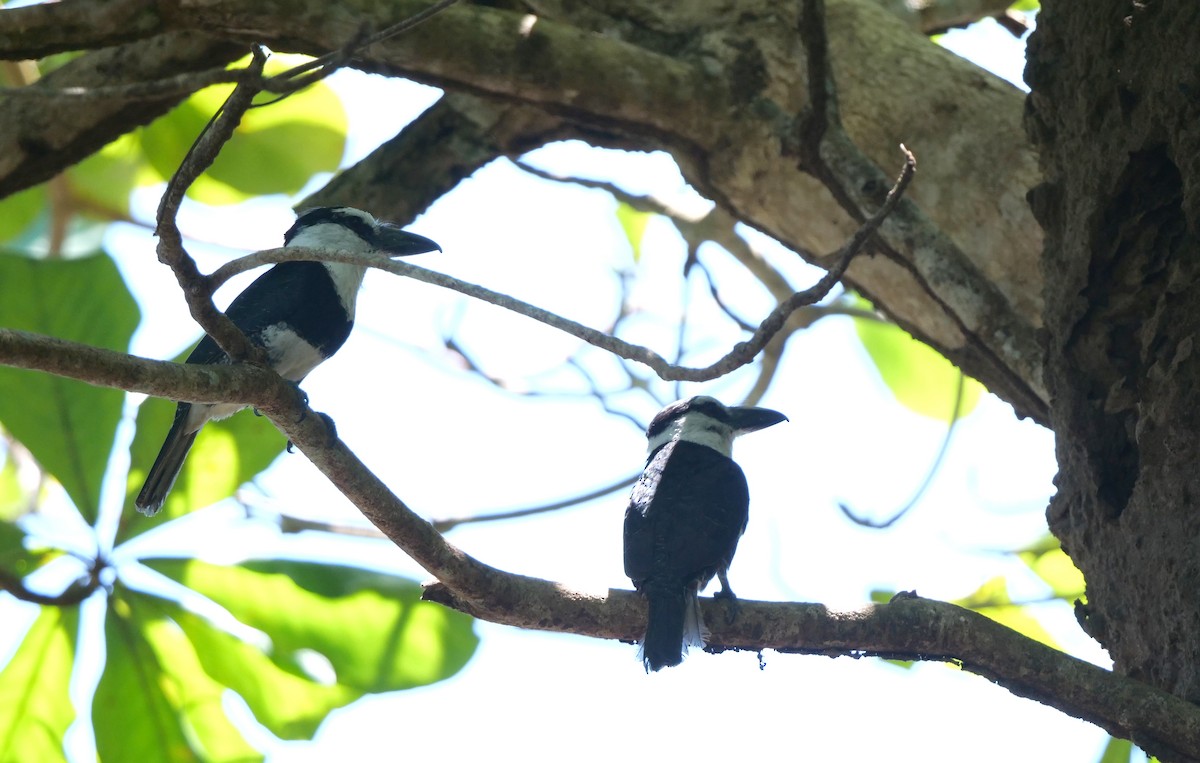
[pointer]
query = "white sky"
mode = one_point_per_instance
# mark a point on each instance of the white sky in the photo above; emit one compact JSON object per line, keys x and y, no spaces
{"x":449,"y":445}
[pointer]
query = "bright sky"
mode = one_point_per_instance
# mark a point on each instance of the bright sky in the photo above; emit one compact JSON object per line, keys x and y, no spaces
{"x":450,"y":444}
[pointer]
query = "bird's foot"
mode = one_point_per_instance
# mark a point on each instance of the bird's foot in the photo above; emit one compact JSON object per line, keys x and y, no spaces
{"x":732,"y":607}
{"x":330,"y":428}
{"x":303,"y":397}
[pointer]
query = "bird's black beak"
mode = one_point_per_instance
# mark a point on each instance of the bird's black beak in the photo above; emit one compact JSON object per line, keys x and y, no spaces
{"x":398,"y":242}
{"x":745,"y":420}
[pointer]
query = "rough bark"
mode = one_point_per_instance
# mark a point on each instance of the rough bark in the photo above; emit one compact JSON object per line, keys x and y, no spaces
{"x":1115,"y":110}
{"x":40,"y":136}
{"x":723,"y":87}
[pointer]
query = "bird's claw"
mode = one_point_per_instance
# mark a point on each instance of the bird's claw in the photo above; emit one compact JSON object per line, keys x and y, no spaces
{"x":733,"y":608}
{"x":303,"y":397}
{"x":330,"y":427}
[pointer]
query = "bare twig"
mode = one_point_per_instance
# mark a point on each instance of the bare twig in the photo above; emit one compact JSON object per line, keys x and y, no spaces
{"x":444,"y":525}
{"x":197,"y":289}
{"x":740,"y":355}
{"x":863,"y":521}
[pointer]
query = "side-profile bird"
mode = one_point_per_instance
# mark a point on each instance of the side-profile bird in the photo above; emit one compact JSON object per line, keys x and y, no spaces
{"x":299,"y":312}
{"x":686,"y":514}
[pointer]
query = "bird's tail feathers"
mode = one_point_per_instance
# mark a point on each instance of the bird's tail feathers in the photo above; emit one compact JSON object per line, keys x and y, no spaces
{"x":673,"y":626}
{"x":166,"y":468}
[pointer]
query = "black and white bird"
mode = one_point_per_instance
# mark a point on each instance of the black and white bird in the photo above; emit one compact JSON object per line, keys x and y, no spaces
{"x":300,"y":312}
{"x":686,"y":514}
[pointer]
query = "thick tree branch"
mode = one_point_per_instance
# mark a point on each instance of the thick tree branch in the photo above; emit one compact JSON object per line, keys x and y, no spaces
{"x":39,"y":30}
{"x":237,"y":383}
{"x":908,"y":628}
{"x":723,"y":105}
{"x":40,"y":137}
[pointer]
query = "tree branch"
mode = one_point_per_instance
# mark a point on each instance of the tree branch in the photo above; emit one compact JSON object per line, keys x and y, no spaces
{"x":42,"y":29}
{"x":740,"y":355}
{"x":236,"y":383}
{"x":908,"y":628}
{"x":40,"y":137}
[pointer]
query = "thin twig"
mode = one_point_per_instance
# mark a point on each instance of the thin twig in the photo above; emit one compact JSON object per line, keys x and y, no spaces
{"x":444,"y":525}
{"x":741,"y":354}
{"x":863,"y":521}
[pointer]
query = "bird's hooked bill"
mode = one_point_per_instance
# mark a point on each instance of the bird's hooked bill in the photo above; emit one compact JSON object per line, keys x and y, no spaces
{"x":398,"y":242}
{"x":745,"y":419}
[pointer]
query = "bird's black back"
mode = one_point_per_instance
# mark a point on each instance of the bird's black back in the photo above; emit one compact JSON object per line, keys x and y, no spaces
{"x":685,"y":516}
{"x":298,"y":294}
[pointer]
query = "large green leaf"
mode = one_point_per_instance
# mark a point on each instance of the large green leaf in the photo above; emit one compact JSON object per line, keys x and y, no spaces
{"x":276,"y":149}
{"x":14,"y":501}
{"x":154,"y":701}
{"x":226,"y":455}
{"x":292,"y":706}
{"x":18,"y":211}
{"x":35,"y":709}
{"x":992,"y":599}
{"x":107,"y":178}
{"x":372,"y":627}
{"x":67,"y":425}
{"x":920,"y":378}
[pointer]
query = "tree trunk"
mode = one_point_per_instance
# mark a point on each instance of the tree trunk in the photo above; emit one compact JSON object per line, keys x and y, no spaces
{"x":1115,"y":112}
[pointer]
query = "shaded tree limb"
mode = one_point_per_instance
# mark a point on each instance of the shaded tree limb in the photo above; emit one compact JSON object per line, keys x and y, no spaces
{"x":908,"y":628}
{"x":730,"y":141}
{"x":40,"y":137}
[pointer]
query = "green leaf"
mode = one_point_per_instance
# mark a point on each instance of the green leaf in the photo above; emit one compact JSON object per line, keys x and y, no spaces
{"x":292,"y":706}
{"x":920,"y":378}
{"x":15,"y":558}
{"x":262,"y":157}
{"x":992,"y":600}
{"x":107,"y":178}
{"x":1049,"y":562}
{"x":154,"y":701}
{"x":35,"y":708}
{"x":1117,"y":751}
{"x":373,"y":628}
{"x":14,"y":501}
{"x":634,"y":223}
{"x":226,"y":455}
{"x":1025,"y":6}
{"x":17,"y":212}
{"x":67,"y":425}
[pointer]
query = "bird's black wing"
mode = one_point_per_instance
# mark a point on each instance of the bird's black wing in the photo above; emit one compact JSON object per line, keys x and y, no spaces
{"x":685,"y":516}
{"x":298,"y":294}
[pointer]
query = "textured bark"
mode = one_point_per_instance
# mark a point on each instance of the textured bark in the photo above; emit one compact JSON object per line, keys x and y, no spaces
{"x":41,"y":136}
{"x":723,"y":87}
{"x":1115,"y":110}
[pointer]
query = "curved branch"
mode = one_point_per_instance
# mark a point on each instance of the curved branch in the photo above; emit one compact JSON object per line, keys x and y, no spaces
{"x":239,"y":383}
{"x":908,"y":628}
{"x":72,"y":595}
{"x":39,"y":30}
{"x":741,"y":354}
